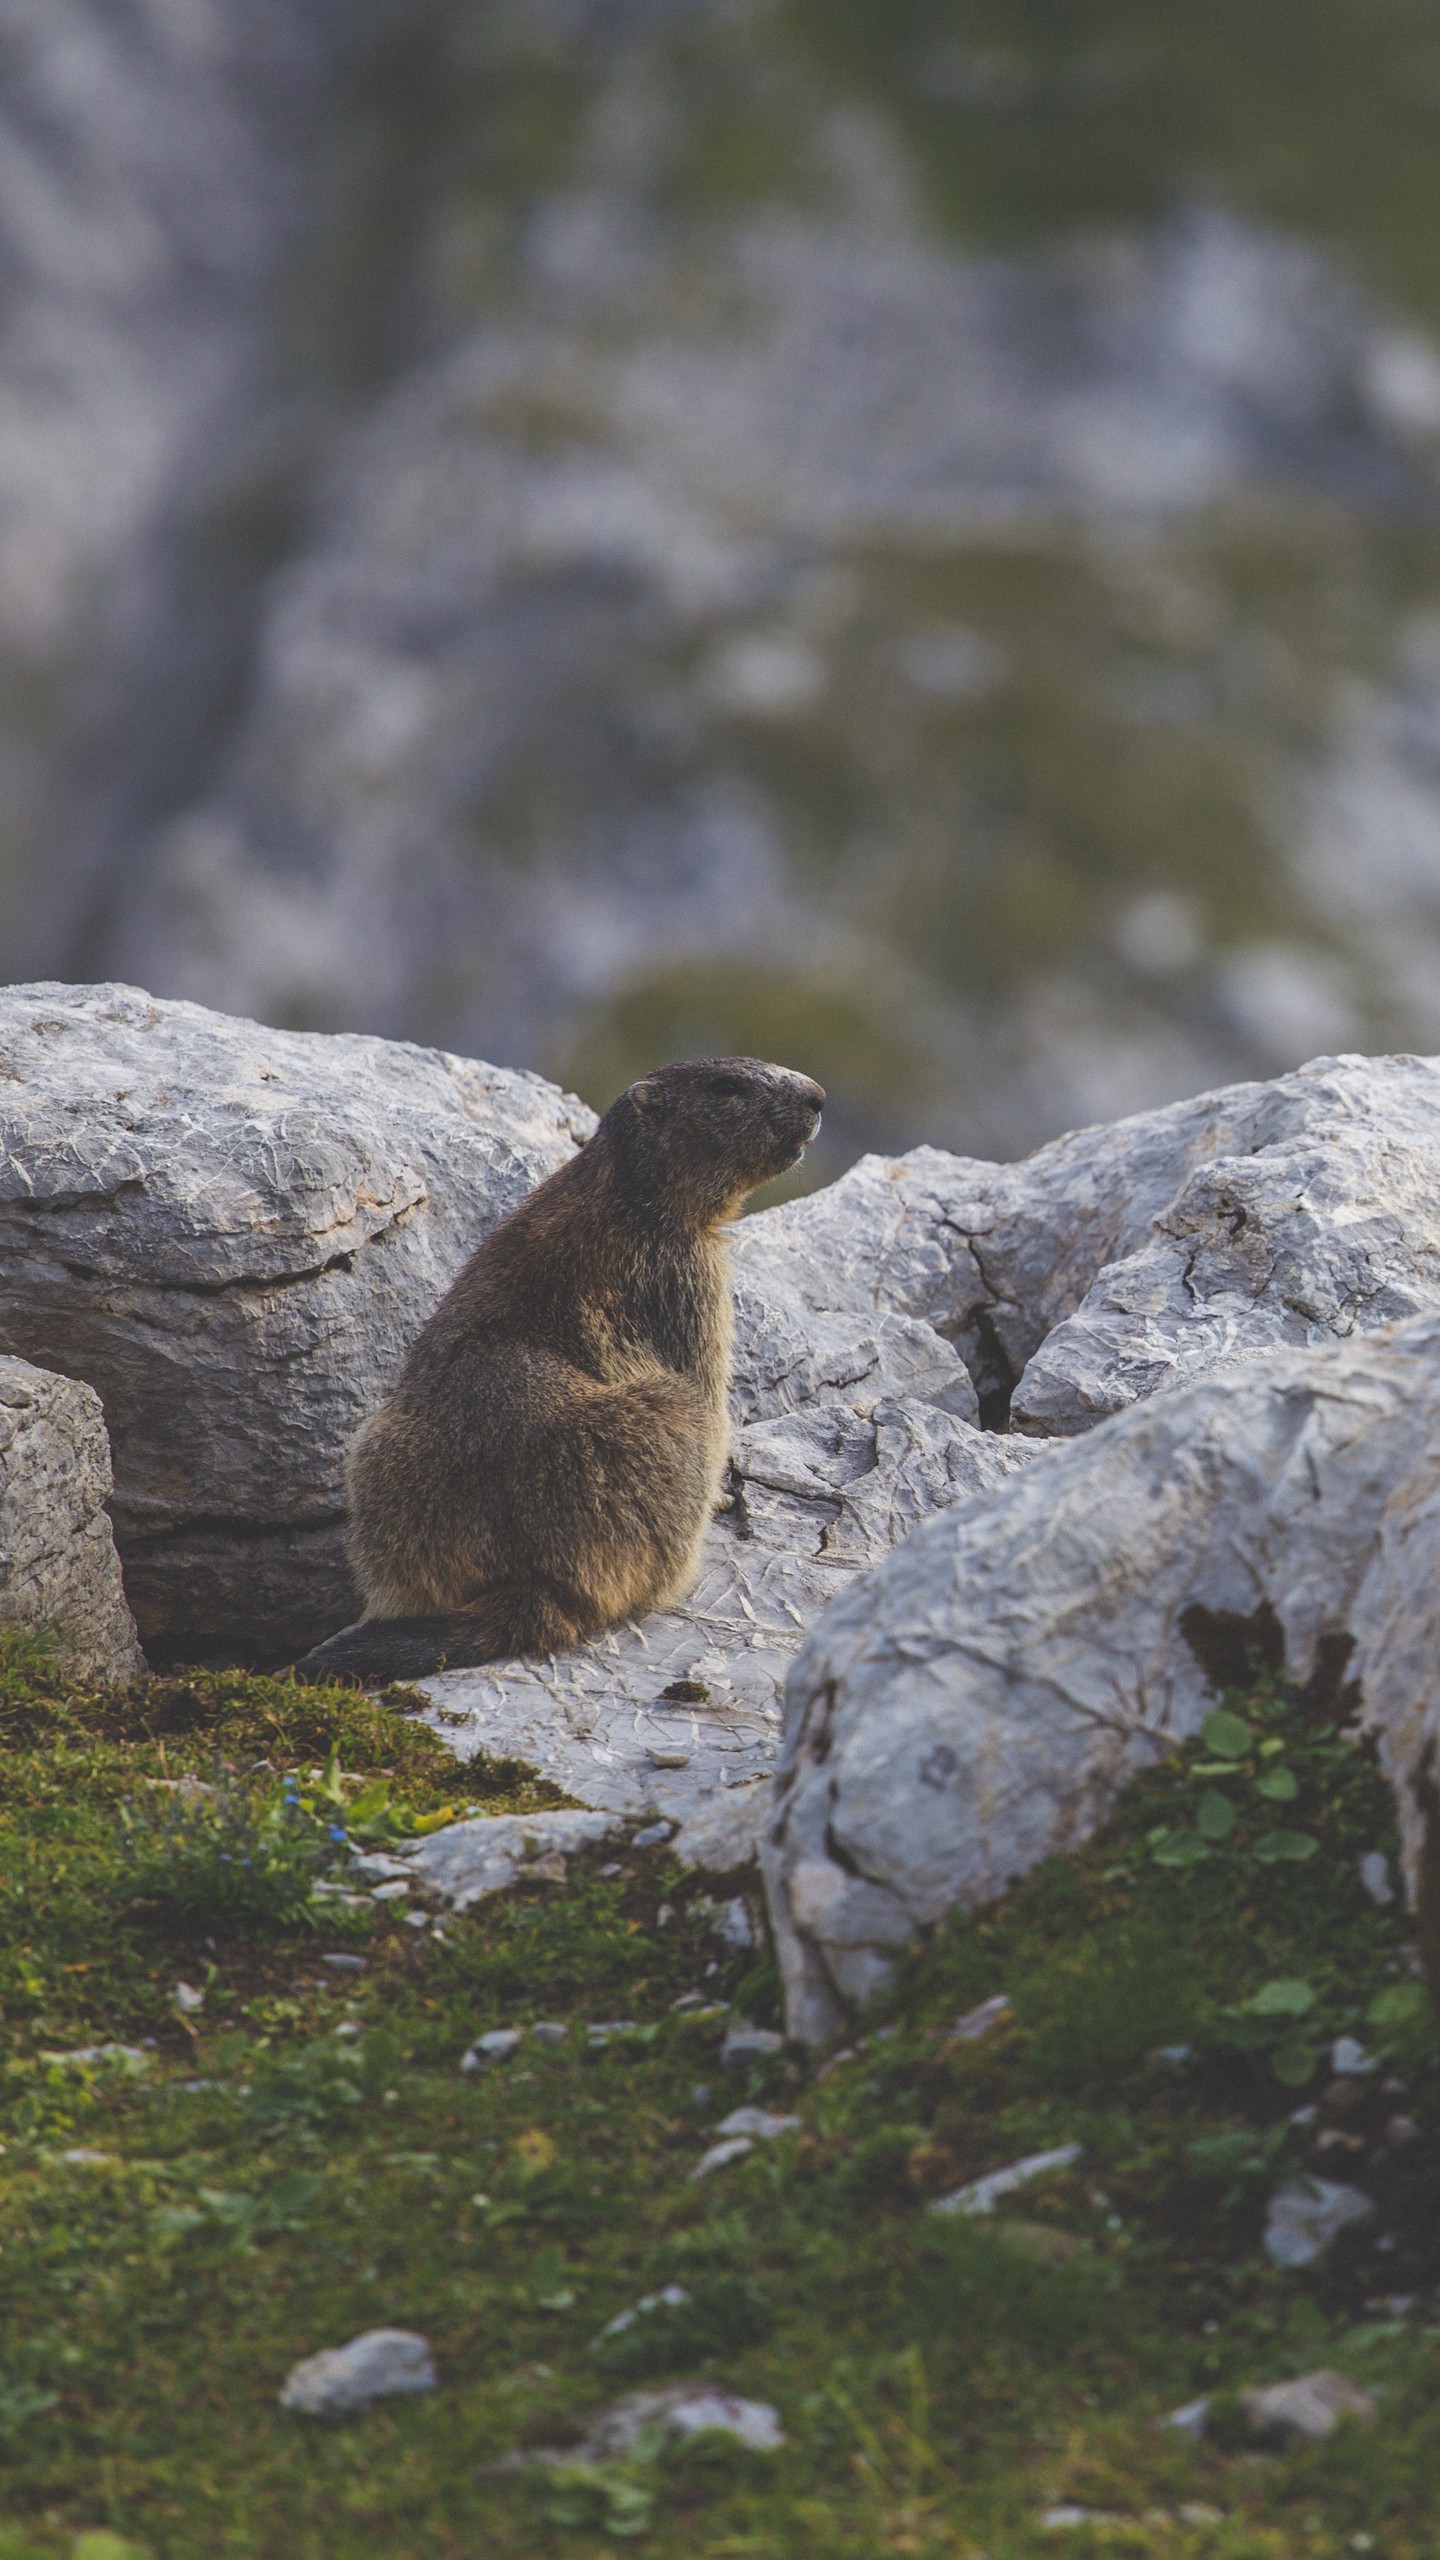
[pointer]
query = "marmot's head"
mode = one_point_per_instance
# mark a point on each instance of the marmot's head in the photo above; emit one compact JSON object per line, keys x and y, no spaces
{"x":700,"y":1135}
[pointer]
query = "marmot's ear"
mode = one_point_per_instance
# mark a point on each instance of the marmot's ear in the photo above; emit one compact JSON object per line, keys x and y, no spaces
{"x":647,"y":1095}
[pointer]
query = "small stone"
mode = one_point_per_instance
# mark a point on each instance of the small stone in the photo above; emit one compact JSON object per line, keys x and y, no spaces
{"x":549,"y":2031}
{"x":653,"y":1835}
{"x":1195,"y":2511}
{"x":1350,"y":2060}
{"x":371,"y":2367}
{"x":1307,"y":2215}
{"x":1174,"y":2054}
{"x":497,"y":2046}
{"x":732,"y":1922}
{"x":395,"y":1891}
{"x":1375,"y":1876}
{"x":1070,"y":2519}
{"x":1307,"y":2409}
{"x":720,"y":2155}
{"x":983,"y":2020}
{"x":983,"y":2194}
{"x":613,"y":1869}
{"x":669,"y":2297}
{"x":1190,"y":2421}
{"x":758,"y":2122}
{"x":346,"y":1964}
{"x":745,"y":2045}
{"x":188,"y":1999}
{"x":81,"y":2158}
{"x":664,"y":1915}
{"x":682,"y":2409}
{"x":416,"y":1919}
{"x":608,"y":2031}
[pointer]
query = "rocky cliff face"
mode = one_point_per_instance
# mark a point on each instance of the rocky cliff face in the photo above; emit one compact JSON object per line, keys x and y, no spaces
{"x":570,"y":533}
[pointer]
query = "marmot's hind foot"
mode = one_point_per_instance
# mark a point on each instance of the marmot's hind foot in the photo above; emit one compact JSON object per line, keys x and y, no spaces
{"x":377,"y":1649}
{"x":504,"y":1624}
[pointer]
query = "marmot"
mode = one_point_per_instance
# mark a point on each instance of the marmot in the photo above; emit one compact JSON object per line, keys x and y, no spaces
{"x":555,"y":1444}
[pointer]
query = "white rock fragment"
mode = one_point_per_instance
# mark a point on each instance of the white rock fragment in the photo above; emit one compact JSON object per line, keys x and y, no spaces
{"x":720,"y":2155}
{"x":758,"y":2122}
{"x":1308,"y":2409}
{"x":669,"y":2298}
{"x":982,"y":2020}
{"x":495,"y":2046}
{"x":745,"y":2045}
{"x":983,"y":2194}
{"x":188,"y":2000}
{"x":490,"y":1852}
{"x":1349,"y":2059}
{"x":1306,"y":2215}
{"x":1375,"y":1877}
{"x":342,"y":2380}
{"x":682,"y":2409}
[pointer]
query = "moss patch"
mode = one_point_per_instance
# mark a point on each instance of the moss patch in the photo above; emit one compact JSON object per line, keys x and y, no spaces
{"x":299,"y":2157}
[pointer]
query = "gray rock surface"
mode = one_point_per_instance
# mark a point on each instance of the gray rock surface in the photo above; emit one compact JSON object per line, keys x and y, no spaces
{"x":491,"y":1852}
{"x":978,"y":1699}
{"x":342,"y":2380}
{"x":1307,"y":2214}
{"x":878,"y":1317}
{"x":1307,"y":2409}
{"x":58,"y":1565}
{"x":232,"y":1234}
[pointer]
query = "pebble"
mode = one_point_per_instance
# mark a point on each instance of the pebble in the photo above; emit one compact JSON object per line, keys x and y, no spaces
{"x":81,"y":2158}
{"x":347,"y":1964}
{"x":682,"y":2409}
{"x":371,"y":2367}
{"x":652,"y":1835}
{"x":745,"y":2045}
{"x":417,"y":1919}
{"x":549,"y":2031}
{"x":1350,"y":2060}
{"x":1308,"y":2409}
{"x":497,"y":2046}
{"x":758,"y":2122}
{"x":1305,"y":2410}
{"x":720,"y":2155}
{"x":670,"y":2296}
{"x":1306,"y":2216}
{"x":1375,"y":1876}
{"x":983,"y":2194}
{"x":983,"y":2020}
{"x":394,"y":1891}
{"x":606,"y":2030}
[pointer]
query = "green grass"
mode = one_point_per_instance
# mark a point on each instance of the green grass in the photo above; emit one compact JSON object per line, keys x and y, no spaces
{"x":301,"y":2158}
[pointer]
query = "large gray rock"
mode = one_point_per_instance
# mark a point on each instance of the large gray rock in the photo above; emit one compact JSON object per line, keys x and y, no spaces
{"x":232,"y":1234}
{"x":877,"y":1318}
{"x":58,"y":1565}
{"x":978,"y":1699}
{"x":1124,"y":1258}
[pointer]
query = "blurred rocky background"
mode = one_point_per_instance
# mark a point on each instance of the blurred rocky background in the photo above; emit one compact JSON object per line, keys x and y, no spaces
{"x":903,"y":537}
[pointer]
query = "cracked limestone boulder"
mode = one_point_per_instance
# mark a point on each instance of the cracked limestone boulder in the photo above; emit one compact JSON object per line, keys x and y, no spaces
{"x":979,"y":1698}
{"x":231,"y":1233}
{"x":1116,"y":1261}
{"x":58,"y":1565}
{"x":879,"y":1321}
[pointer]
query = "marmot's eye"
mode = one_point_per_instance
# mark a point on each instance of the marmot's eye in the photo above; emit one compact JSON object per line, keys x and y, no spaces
{"x":730,"y":1087}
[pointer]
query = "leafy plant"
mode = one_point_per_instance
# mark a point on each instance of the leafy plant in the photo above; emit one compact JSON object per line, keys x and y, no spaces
{"x":238,"y":1853}
{"x":1245,"y":1774}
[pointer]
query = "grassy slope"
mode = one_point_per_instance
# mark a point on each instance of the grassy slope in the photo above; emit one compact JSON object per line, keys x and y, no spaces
{"x":940,"y":2381}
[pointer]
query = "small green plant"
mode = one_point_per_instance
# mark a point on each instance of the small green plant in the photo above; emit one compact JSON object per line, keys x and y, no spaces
{"x":1245,"y":1775}
{"x":241,"y":1853}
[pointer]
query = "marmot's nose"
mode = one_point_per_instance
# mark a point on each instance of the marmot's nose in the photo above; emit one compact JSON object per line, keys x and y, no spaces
{"x":810,"y":1091}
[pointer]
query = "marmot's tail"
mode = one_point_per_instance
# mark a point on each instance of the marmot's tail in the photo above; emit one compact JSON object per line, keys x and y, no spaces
{"x":499,"y":1625}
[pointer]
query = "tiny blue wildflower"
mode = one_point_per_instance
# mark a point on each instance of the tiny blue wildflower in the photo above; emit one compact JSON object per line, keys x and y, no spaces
{"x":337,"y":1832}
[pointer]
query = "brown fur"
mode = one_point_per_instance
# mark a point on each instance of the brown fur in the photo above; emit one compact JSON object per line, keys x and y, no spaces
{"x":553,"y":1449}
